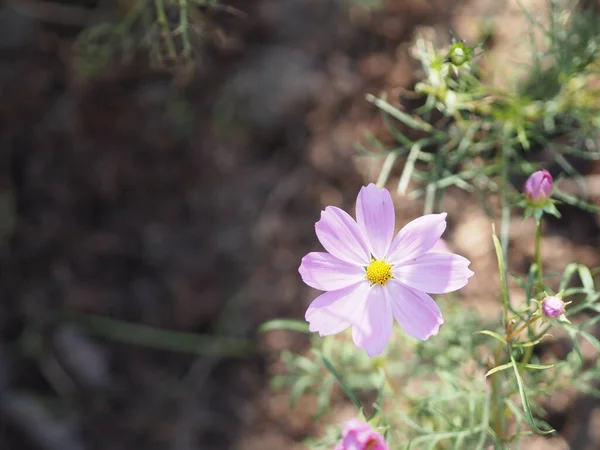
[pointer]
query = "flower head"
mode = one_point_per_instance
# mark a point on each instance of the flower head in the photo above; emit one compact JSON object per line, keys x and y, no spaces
{"x":359,"y":435}
{"x":553,"y":307}
{"x":371,"y":277}
{"x":538,"y":187}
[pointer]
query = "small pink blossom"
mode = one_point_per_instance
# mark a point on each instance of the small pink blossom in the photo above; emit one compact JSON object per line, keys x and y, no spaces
{"x":553,"y":307}
{"x":359,"y":435}
{"x":538,"y":187}
{"x":371,"y":277}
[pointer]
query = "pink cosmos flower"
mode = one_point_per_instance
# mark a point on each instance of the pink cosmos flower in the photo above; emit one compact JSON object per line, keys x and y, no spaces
{"x":538,"y":187}
{"x":359,"y":435}
{"x":370,"y":276}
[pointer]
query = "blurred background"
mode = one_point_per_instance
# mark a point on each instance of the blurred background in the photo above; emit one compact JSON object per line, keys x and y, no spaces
{"x":159,"y":184}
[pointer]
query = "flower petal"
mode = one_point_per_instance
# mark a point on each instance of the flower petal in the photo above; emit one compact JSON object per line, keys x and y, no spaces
{"x":360,"y":435}
{"x":376,"y":218}
{"x":416,"y":238}
{"x":374,"y":327}
{"x":434,"y":272}
{"x":328,"y":273}
{"x":539,"y":185}
{"x":440,"y":246}
{"x":340,"y":235}
{"x":334,"y":311}
{"x":415,"y":311}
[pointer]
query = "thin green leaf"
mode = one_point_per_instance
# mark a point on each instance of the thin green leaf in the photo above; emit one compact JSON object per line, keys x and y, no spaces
{"x":485,"y":420}
{"x":574,"y":201}
{"x":380,"y":392}
{"x":410,"y":165}
{"x":567,"y":275}
{"x":299,"y":388}
{"x":324,"y":397}
{"x":589,"y":390}
{"x":537,"y":366}
{"x":531,"y":276}
{"x":591,"y":304}
{"x":591,"y":339}
{"x":590,"y":322}
{"x":492,"y":334}
{"x":408,"y":120}
{"x":305,"y":364}
{"x":501,"y":269}
{"x":574,"y":290}
{"x":345,"y":388}
{"x":284,"y":324}
{"x":525,"y":400}
{"x":153,"y":337}
{"x":498,"y":369}
{"x":386,"y":169}
{"x":586,"y":277}
{"x":411,"y":423}
{"x":530,"y":343}
{"x":398,"y":135}
{"x":446,"y":435}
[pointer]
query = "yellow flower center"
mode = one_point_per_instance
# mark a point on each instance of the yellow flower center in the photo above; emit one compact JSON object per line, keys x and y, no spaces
{"x":378,"y":272}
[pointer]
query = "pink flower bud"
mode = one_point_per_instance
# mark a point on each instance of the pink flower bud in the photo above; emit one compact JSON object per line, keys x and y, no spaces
{"x":538,"y":187}
{"x":553,"y":307}
{"x":359,"y":435}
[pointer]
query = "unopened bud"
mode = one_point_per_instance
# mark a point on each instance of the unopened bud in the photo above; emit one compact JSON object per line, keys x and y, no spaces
{"x":553,"y":307}
{"x":459,"y":54}
{"x":538,"y":187}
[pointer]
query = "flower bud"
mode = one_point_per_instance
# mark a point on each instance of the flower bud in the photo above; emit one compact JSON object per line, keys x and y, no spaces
{"x":553,"y":307}
{"x":538,"y":187}
{"x":459,"y":54}
{"x":359,"y":435}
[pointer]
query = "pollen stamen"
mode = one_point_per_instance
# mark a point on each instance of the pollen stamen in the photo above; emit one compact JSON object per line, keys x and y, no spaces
{"x":379,"y":272}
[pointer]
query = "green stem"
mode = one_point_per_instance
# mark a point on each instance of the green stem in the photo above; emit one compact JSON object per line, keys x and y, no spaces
{"x":538,"y":285}
{"x":527,"y":355}
{"x":505,"y":224}
{"x":538,"y":252}
{"x":501,"y":246}
{"x":184,"y":28}
{"x":516,"y":332}
{"x":499,"y":421}
{"x":161,"y":19}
